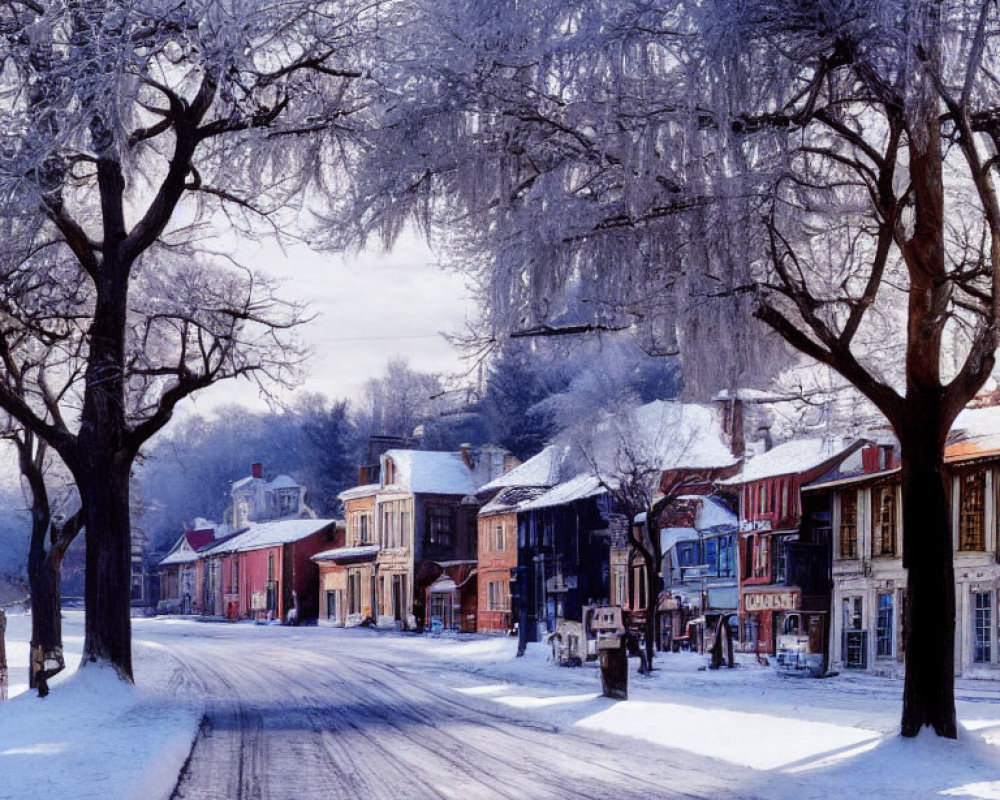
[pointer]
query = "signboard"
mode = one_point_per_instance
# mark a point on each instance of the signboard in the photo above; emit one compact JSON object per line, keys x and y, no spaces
{"x":258,"y":601}
{"x":771,"y":601}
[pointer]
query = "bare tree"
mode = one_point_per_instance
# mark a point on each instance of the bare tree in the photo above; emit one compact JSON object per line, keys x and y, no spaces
{"x":647,"y":457}
{"x":827,"y":167}
{"x":131,"y":130}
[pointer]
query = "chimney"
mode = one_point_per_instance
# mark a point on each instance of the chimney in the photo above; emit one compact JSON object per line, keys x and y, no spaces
{"x":870,"y":458}
{"x":257,"y":469}
{"x":765,"y":434}
{"x":466,"y":453}
{"x":731,"y":414}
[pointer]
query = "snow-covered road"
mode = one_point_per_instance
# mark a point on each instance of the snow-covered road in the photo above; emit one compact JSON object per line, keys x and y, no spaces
{"x":321,"y":714}
{"x":294,"y":714}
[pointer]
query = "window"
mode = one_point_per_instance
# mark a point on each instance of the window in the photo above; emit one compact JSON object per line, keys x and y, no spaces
{"x":498,"y":598}
{"x":884,"y":521}
{"x":883,"y":626}
{"x":234,"y":577}
{"x":760,"y":557}
{"x":848,"y":531}
{"x":620,"y":591}
{"x":439,"y":527}
{"x":687,"y":554}
{"x":726,"y":562}
{"x":982,"y":627}
{"x":780,"y":560}
{"x":712,"y":555}
{"x":362,"y":527}
{"x":853,"y":619}
{"x":395,"y":520}
{"x":784,"y":499}
{"x":762,"y":499}
{"x":498,"y":538}
{"x":971,"y":522}
{"x":270,"y":566}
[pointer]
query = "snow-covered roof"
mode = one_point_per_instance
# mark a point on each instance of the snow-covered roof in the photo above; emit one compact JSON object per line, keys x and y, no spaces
{"x":510,"y":499}
{"x":267,"y":534}
{"x":244,"y":481}
{"x":578,"y":488}
{"x":539,"y":470}
{"x":431,"y":472}
{"x":975,"y":432}
{"x":283,"y":482}
{"x":713,"y":513}
{"x":669,"y":537}
{"x":355,"y":492}
{"x":338,"y":553}
{"x":182,"y":556}
{"x":185,"y":550}
{"x":667,"y":433}
{"x":798,"y":455}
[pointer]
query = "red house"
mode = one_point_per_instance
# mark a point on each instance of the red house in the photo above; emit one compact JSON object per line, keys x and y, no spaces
{"x":782,"y":571}
{"x":267,"y":571}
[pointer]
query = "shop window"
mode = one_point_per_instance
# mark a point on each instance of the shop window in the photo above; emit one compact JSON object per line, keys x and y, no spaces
{"x":982,"y":627}
{"x":884,"y":521}
{"x":848,"y":531}
{"x":883,"y":626}
{"x":498,"y":598}
{"x":972,"y":520}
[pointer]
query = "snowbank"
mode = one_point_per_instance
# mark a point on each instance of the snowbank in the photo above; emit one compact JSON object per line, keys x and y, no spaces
{"x":94,"y":736}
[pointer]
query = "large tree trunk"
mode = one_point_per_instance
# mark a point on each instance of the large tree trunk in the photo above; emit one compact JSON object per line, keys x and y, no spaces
{"x":102,"y":479}
{"x":928,"y":691}
{"x":108,"y":597}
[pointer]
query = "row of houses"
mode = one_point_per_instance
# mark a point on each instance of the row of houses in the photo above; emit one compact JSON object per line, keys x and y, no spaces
{"x":796,"y":546}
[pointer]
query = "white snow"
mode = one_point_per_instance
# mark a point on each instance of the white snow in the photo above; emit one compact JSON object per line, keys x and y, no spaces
{"x":539,"y":470}
{"x":770,"y":736}
{"x":798,"y":455}
{"x":94,"y":737}
{"x":431,"y":472}
{"x":267,"y":534}
{"x":669,"y":537}
{"x":713,"y":514}
{"x":578,"y":488}
{"x":358,"y":551}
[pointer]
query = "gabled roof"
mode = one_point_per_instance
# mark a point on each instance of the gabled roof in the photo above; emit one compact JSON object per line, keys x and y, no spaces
{"x":510,"y":499}
{"x":268,"y":534}
{"x":792,"y":458}
{"x":578,"y":488}
{"x":539,"y":470}
{"x":185,"y":550}
{"x":430,"y":472}
{"x":366,"y":490}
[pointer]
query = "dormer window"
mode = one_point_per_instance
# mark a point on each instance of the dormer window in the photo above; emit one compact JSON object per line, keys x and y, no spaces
{"x":390,"y":472}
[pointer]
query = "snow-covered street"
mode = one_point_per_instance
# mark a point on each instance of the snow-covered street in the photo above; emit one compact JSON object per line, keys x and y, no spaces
{"x":322,"y":712}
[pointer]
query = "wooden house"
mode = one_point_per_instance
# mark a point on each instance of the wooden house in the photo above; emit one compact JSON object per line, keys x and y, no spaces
{"x":784,"y":566}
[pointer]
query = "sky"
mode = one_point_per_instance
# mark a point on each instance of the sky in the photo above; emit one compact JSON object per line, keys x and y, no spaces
{"x":369,"y":307}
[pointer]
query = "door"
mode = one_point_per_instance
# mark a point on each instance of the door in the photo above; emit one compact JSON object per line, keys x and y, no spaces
{"x":398,"y":597}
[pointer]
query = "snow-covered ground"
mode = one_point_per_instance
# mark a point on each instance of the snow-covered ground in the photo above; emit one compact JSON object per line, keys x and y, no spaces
{"x":94,"y":736}
{"x":741,"y":733}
